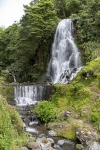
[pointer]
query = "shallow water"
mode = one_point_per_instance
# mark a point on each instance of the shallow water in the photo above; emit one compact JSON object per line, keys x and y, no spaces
{"x":41,"y":131}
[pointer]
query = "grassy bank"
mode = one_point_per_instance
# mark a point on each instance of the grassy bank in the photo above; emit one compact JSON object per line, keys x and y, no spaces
{"x":12,"y":135}
{"x":81,"y":97}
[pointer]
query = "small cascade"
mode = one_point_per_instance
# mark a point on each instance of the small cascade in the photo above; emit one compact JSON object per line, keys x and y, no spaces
{"x":28,"y":95}
{"x":14,"y":78}
{"x":65,"y":60}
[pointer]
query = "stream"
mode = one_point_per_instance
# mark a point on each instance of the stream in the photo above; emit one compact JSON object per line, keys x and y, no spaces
{"x":26,"y":97}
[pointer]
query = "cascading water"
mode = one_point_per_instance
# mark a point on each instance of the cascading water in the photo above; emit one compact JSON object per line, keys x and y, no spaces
{"x":28,"y":95}
{"x":65,"y":60}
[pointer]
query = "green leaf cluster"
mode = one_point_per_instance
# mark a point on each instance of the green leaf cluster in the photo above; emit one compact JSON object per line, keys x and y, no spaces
{"x":45,"y":110}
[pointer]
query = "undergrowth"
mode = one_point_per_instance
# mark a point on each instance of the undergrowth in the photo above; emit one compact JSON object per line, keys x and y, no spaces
{"x":11,"y":127}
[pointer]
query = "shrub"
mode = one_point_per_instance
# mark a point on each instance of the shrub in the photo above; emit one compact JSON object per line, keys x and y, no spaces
{"x":98,"y":76}
{"x":45,"y":111}
{"x":94,"y":117}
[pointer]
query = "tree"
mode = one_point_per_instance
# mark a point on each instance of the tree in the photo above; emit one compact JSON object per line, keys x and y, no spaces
{"x":37,"y":30}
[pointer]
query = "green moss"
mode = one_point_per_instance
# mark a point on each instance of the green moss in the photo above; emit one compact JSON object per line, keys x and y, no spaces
{"x":68,"y":133}
{"x":67,"y":128}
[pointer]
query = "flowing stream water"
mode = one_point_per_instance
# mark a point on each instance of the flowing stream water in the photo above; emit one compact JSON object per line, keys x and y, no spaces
{"x":65,"y":60}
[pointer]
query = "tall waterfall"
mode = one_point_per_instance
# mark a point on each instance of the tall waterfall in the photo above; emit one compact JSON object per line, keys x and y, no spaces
{"x":65,"y":60}
{"x":28,"y":95}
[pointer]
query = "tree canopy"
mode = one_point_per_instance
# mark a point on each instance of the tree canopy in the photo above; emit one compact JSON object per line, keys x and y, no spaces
{"x":25,"y":46}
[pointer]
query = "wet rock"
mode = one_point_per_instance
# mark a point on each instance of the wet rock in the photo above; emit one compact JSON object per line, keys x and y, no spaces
{"x":52,"y":133}
{"x":44,"y":143}
{"x":68,"y":145}
{"x":51,"y":140}
{"x":24,"y":148}
{"x":42,"y":135}
{"x":67,"y":114}
{"x":93,"y":146}
{"x":57,"y":147}
{"x":79,"y":147}
{"x":61,"y":142}
{"x":33,"y":145}
{"x":26,"y":121}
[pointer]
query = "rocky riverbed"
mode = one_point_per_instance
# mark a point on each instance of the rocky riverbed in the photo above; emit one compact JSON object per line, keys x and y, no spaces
{"x":45,"y":139}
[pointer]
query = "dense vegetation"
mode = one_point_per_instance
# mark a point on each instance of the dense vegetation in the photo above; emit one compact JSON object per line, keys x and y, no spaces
{"x":81,"y":98}
{"x":25,"y":46}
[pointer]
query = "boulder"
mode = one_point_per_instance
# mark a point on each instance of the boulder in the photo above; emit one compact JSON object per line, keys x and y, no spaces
{"x":52,"y":133}
{"x":44,"y":143}
{"x":87,"y":135}
{"x":24,"y":148}
{"x":51,"y":140}
{"x":61,"y":142}
{"x":93,"y":146}
{"x":33,"y":145}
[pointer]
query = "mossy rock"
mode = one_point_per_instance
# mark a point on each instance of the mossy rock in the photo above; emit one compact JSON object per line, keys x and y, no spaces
{"x":89,"y":72}
{"x":67,"y":128}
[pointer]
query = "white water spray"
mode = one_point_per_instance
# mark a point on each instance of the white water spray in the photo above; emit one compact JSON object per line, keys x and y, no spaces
{"x":65,"y":60}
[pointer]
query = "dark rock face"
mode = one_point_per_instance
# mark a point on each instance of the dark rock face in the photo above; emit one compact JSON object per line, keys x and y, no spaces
{"x":87,"y":74}
{"x":67,"y":114}
{"x":49,"y":90}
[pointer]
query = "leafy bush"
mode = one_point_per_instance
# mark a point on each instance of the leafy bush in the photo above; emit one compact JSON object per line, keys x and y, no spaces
{"x":45,"y":111}
{"x":94,"y":116}
{"x":98,"y":76}
{"x":90,"y":50}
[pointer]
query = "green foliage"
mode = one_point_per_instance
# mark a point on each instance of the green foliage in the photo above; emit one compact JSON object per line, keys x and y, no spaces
{"x":90,"y":50}
{"x":8,"y":134}
{"x":77,"y":87}
{"x":26,"y":46}
{"x":45,"y":110}
{"x":98,"y":76}
{"x":94,"y":117}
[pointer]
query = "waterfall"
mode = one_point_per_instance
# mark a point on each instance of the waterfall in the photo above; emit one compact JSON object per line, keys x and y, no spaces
{"x":65,"y":60}
{"x":14,"y":78}
{"x":28,"y":95}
